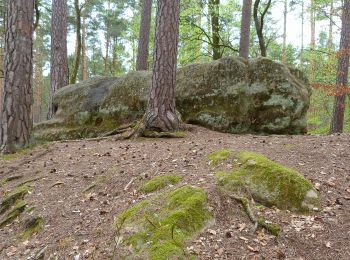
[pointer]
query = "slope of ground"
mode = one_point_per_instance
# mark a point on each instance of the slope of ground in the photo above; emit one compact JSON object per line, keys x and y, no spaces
{"x":79,"y":187}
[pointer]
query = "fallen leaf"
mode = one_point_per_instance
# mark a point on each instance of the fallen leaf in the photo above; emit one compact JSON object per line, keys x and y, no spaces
{"x":328,"y":244}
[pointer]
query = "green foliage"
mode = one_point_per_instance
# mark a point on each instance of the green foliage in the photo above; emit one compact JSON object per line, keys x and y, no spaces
{"x":160,"y":182}
{"x":161,"y":225}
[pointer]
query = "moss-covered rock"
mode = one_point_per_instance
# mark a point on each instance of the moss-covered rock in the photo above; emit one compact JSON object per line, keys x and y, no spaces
{"x":269,"y":183}
{"x":219,"y":156}
{"x":230,"y":95}
{"x":158,"y":228}
{"x":160,"y":182}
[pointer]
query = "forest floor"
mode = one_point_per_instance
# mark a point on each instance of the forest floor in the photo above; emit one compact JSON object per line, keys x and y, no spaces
{"x":78,"y":187}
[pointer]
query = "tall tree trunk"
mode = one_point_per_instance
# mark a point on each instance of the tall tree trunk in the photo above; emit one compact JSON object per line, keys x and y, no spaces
{"x":161,"y":111}
{"x":284,"y":50}
{"x":214,"y":7}
{"x":16,"y":115}
{"x":342,"y":72}
{"x":107,"y":54}
{"x":114,"y":71}
{"x":83,"y":51}
{"x":259,"y":25}
{"x":73,"y":78}
{"x":313,"y":42}
{"x":245,"y":29}
{"x":302,"y":35}
{"x":38,"y":78}
{"x":145,"y":27}
{"x":59,"y":60}
{"x":330,"y":31}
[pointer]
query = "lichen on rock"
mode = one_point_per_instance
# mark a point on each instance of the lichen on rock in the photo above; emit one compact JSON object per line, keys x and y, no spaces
{"x":229,"y":95}
{"x":157,"y":228}
{"x":269,"y":183}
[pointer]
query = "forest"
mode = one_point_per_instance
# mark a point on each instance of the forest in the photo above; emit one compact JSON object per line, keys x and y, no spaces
{"x":174,"y":129}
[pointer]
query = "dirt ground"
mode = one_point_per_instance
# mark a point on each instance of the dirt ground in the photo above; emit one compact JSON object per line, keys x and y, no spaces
{"x":82,"y":185}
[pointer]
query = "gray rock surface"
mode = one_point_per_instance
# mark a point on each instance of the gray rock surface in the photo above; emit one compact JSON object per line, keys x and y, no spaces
{"x":230,"y":95}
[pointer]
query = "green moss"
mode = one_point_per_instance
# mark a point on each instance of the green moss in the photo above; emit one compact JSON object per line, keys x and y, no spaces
{"x":32,"y":226}
{"x":18,"y":208}
{"x":273,"y":229}
{"x":270,"y":183}
{"x":158,"y":228}
{"x":160,"y":182}
{"x":219,"y":156}
{"x":12,"y":198}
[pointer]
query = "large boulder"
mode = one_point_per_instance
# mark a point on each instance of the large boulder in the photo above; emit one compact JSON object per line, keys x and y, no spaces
{"x":230,"y":95}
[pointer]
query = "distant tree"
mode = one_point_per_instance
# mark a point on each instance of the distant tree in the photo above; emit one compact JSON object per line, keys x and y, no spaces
{"x":145,"y":27}
{"x":245,"y":29}
{"x":59,"y":60}
{"x":259,"y":24}
{"x":214,"y":13}
{"x":313,"y":41}
{"x":16,"y":113}
{"x":161,"y":111}
{"x":75,"y":69}
{"x":343,"y":72}
{"x":284,"y":50}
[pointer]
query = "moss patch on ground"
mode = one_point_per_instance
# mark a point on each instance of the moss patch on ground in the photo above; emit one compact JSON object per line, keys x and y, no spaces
{"x":159,"y":227}
{"x":32,"y":226}
{"x":160,"y":182}
{"x":12,"y":198}
{"x":219,"y":156}
{"x":269,"y":183}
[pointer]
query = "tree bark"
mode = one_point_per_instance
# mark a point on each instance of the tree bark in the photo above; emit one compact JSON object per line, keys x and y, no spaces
{"x":161,"y":111}
{"x":245,"y":29}
{"x":259,"y":25}
{"x":342,"y":72}
{"x":59,"y":60}
{"x":284,"y":50}
{"x":313,"y":42}
{"x":73,"y":78}
{"x":330,"y":31}
{"x":302,"y":35}
{"x":16,"y":112}
{"x":214,"y":7}
{"x":83,"y":51}
{"x":38,"y":78}
{"x":145,"y":27}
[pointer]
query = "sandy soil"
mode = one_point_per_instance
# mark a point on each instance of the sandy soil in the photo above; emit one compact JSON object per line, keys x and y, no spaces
{"x":81,"y":190}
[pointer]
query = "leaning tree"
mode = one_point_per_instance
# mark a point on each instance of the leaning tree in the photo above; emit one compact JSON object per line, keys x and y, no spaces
{"x":16,"y":116}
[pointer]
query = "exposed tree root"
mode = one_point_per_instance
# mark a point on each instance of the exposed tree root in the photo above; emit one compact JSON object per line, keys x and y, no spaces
{"x":273,"y":229}
{"x":14,"y":213}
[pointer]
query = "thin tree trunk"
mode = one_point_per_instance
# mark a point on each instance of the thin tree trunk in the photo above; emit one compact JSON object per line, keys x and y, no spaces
{"x":342,"y":72}
{"x":214,"y":7}
{"x":245,"y":29}
{"x":259,"y":25}
{"x":302,"y":35}
{"x":16,"y":113}
{"x":59,"y":60}
{"x":161,"y":111}
{"x":114,"y":58}
{"x":74,"y":75}
{"x":38,"y":79}
{"x":83,"y":51}
{"x":107,"y":54}
{"x":330,"y":31}
{"x":284,"y":50}
{"x":145,"y":27}
{"x":313,"y":42}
